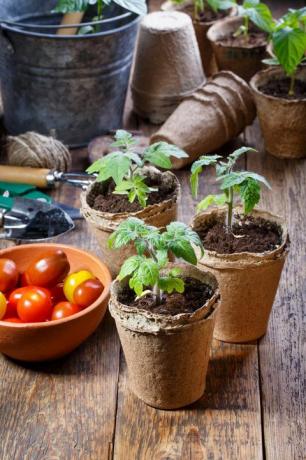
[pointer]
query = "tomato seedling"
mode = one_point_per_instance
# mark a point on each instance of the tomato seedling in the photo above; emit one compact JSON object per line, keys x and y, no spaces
{"x":233,"y":184}
{"x":153,"y":248}
{"x":201,"y":5}
{"x":256,"y":12}
{"x":124,"y":165}
{"x":289,"y":44}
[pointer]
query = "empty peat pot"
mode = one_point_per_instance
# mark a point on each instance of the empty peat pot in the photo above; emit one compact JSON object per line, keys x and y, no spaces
{"x":201,"y":26}
{"x":209,"y":118}
{"x":167,"y":356}
{"x":105,"y":223}
{"x":54,"y":339}
{"x":73,"y":84}
{"x":244,"y":59}
{"x":282,"y":120}
{"x":248,"y":281}
{"x":167,"y":65}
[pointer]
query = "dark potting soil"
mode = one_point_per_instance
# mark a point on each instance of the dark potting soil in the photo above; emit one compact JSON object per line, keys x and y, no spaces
{"x":249,"y":235}
{"x":280,"y":88}
{"x":208,"y":15}
{"x":106,"y":201}
{"x":194,"y":297}
{"x":252,"y":40}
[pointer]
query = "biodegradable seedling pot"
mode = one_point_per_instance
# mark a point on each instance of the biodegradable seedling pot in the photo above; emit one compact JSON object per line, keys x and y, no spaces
{"x":209,"y":118}
{"x":201,"y":27}
{"x":282,"y":121}
{"x":167,"y":65}
{"x":104,"y":223}
{"x":54,"y":339}
{"x":167,"y":356}
{"x":248,"y":282}
{"x":244,"y":61}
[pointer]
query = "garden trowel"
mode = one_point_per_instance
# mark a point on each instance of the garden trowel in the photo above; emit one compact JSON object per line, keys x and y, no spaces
{"x":31,"y":220}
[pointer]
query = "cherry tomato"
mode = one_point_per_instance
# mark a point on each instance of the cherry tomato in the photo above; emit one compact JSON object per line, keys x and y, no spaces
{"x":73,"y":281}
{"x":87,"y":292}
{"x":48,"y":270}
{"x":13,"y":299}
{"x":35,"y":305}
{"x":3,"y":303}
{"x":8,"y":275}
{"x":64,"y":309}
{"x":13,"y":320}
{"x":23,"y":282}
{"x":57,"y":294}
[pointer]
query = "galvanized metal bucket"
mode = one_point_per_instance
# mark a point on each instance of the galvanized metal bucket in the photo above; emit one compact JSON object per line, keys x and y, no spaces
{"x":75,"y":85}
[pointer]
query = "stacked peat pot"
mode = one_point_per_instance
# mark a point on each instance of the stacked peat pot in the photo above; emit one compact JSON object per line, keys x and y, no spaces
{"x":209,"y":118}
{"x":282,"y":118}
{"x":248,"y":280}
{"x":167,"y":65}
{"x":201,"y":24}
{"x":104,"y":223}
{"x":242,"y":55}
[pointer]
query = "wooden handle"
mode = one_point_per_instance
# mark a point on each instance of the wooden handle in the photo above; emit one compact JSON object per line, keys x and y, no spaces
{"x":24,"y":175}
{"x":70,"y":18}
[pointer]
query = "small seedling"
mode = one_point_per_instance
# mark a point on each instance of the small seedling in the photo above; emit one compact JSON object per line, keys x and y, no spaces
{"x":153,"y":248}
{"x":214,"y":5}
{"x":233,"y":184}
{"x":256,"y":12}
{"x":124,"y":165}
{"x":289,"y":44}
{"x":71,"y":6}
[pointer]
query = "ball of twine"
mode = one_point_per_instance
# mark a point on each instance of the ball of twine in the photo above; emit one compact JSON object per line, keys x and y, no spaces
{"x":37,"y":151}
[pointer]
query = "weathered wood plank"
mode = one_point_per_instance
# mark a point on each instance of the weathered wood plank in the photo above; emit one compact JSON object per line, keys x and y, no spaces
{"x":281,"y":354}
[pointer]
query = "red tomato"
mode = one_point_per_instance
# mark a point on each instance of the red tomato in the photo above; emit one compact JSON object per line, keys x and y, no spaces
{"x":23,"y":282}
{"x":35,"y":305}
{"x":73,"y":281}
{"x":64,"y":309}
{"x":49,"y":270}
{"x":57,"y":294}
{"x":8,"y":275}
{"x":13,"y":299}
{"x":87,"y":292}
{"x":13,"y":320}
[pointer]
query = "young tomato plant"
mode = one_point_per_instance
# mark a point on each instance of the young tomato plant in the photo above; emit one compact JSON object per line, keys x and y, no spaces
{"x":289,"y":44}
{"x":124,"y":165}
{"x":256,"y":12}
{"x":233,"y":184}
{"x":214,"y":5}
{"x":153,"y":248}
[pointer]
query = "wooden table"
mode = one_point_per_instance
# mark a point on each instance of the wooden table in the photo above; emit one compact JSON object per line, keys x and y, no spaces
{"x":81,"y":408}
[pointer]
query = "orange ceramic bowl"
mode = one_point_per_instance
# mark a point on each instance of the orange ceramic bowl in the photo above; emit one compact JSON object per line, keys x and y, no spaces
{"x":53,"y":339}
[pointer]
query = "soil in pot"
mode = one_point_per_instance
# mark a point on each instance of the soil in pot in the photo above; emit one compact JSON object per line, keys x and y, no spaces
{"x":196,"y":294}
{"x":102,"y":198}
{"x":253,"y":39}
{"x":250,"y":234}
{"x":279,"y":88}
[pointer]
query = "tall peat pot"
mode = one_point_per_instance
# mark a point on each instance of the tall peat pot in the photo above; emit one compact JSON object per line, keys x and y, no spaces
{"x":167,"y":356}
{"x":75,"y":85}
{"x":282,"y":121}
{"x":248,"y":281}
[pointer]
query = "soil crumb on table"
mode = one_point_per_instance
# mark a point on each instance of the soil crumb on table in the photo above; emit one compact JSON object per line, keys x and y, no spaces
{"x":194,"y":297}
{"x":280,"y":88}
{"x":249,"y":234}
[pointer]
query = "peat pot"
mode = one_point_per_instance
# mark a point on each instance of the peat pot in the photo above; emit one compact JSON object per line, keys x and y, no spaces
{"x":75,"y":85}
{"x":167,"y":356}
{"x":282,"y":121}
{"x":244,"y":61}
{"x":248,"y":282}
{"x":105,"y":223}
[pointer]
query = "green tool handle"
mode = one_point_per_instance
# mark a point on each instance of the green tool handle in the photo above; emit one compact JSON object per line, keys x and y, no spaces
{"x":6,"y":202}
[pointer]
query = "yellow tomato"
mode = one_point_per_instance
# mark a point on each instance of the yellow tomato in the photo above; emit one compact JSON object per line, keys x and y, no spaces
{"x":73,"y":281}
{"x":3,"y":303}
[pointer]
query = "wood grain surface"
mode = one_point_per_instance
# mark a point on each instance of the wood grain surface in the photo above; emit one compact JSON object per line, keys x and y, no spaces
{"x":253,"y":408}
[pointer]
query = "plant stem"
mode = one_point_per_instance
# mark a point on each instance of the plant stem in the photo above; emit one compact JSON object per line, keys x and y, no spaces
{"x":99,"y":9}
{"x":246,"y":26}
{"x":229,"y":216}
{"x":291,"y":87}
{"x":157,"y":293}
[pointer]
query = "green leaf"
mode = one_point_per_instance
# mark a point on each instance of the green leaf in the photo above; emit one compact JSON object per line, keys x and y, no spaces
{"x":250,"y":194}
{"x":123,"y":139}
{"x":271,"y":61}
{"x":197,"y":168}
{"x":170,"y":284}
{"x":236,"y":178}
{"x":289,"y":46}
{"x":136,"y":285}
{"x":239,"y":152}
{"x":71,"y":6}
{"x":184,"y":250}
{"x":159,"y":154}
{"x":210,"y":200}
{"x":130,"y":230}
{"x":260,"y":15}
{"x":129,"y":266}
{"x":136,"y":6}
{"x":115,"y":165}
